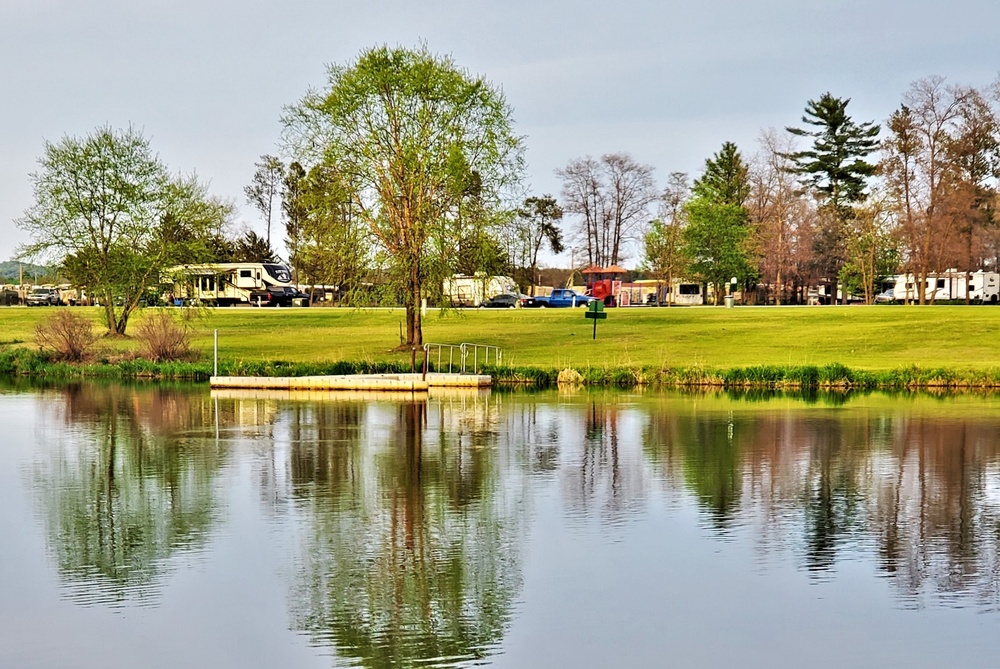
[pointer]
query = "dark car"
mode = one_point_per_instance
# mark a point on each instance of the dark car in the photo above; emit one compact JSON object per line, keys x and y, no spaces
{"x":505,"y":301}
{"x":278,"y":296}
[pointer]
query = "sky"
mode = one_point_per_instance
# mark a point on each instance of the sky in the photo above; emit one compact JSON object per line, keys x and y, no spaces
{"x":667,"y":81}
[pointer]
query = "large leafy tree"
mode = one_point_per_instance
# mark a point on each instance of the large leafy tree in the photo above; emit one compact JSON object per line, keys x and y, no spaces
{"x":415,"y":138}
{"x":108,"y":209}
{"x":718,"y":229}
{"x":834,"y":167}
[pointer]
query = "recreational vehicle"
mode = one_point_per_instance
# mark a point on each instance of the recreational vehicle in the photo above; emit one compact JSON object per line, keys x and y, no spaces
{"x":682,"y":292}
{"x":949,"y":285}
{"x":227,"y":284}
{"x":471,"y":291}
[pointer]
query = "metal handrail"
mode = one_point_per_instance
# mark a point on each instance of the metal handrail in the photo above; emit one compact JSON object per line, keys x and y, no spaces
{"x":464,"y":350}
{"x":497,"y":355}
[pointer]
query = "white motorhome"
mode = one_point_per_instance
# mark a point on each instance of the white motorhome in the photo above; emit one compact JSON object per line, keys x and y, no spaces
{"x":948,"y":285}
{"x":227,"y":284}
{"x":470,"y":291}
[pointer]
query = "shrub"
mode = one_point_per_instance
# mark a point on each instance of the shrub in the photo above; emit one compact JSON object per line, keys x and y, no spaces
{"x":162,"y":338}
{"x":569,"y":377}
{"x":67,"y":335}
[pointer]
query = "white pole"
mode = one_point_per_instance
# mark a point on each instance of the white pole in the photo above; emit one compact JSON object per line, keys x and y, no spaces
{"x":215,"y":366}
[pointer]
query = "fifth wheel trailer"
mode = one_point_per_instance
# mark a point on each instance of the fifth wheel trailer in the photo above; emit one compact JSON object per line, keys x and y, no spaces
{"x":949,"y":285}
{"x":227,"y":284}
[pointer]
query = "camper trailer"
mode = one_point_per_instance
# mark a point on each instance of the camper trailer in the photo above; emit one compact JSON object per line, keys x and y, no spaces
{"x":949,"y":285}
{"x":228,"y":284}
{"x":470,"y":291}
{"x":682,"y":292}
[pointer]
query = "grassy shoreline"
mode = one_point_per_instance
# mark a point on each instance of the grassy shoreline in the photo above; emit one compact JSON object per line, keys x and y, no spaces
{"x":748,"y":347}
{"x":22,"y":362}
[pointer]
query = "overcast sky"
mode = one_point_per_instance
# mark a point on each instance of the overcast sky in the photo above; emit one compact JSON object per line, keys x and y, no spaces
{"x":667,"y":81}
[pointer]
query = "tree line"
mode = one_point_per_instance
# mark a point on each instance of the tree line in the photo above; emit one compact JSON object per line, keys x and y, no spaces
{"x":862,"y":201}
{"x":403,"y":169}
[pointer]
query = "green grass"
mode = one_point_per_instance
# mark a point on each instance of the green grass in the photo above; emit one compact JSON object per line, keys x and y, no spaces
{"x":860,"y":338}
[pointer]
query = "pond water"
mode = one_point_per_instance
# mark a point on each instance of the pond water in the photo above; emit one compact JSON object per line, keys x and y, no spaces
{"x":177,"y":527}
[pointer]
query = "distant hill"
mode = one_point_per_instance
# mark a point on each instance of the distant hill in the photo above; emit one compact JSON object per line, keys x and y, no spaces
{"x":9,"y":271}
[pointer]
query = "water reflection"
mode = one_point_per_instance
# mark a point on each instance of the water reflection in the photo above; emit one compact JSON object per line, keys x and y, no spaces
{"x":413,"y":527}
{"x":409,"y":522}
{"x":125,"y":487}
{"x":915,"y":488}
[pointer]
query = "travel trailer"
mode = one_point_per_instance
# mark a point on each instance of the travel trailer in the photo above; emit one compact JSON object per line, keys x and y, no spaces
{"x":682,"y":292}
{"x":471,"y":291}
{"x":228,"y":284}
{"x":948,"y":285}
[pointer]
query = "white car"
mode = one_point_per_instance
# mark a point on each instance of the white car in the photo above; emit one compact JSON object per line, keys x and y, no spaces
{"x":886,"y":297}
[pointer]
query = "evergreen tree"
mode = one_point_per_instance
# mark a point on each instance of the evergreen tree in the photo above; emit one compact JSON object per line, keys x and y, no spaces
{"x":835,"y":168}
{"x":718,"y":228}
{"x":726,"y":179}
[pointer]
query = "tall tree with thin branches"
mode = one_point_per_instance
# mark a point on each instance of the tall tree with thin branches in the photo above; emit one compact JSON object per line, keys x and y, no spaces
{"x":265,"y":188}
{"x":611,"y":197}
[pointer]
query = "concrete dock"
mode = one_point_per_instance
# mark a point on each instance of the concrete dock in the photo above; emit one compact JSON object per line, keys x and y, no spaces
{"x":370,"y":382}
{"x":436,"y":393}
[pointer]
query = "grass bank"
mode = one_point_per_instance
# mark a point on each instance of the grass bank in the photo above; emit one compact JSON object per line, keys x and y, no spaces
{"x":890,"y":346}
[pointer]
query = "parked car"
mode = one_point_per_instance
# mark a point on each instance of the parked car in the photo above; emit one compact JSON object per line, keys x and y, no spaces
{"x":886,"y":297}
{"x":9,"y":297}
{"x":503,"y":301}
{"x":560,"y":297}
{"x":40,"y":297}
{"x":278,"y":296}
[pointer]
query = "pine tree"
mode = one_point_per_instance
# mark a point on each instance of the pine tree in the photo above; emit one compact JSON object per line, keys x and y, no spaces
{"x":726,"y":179}
{"x":835,"y":168}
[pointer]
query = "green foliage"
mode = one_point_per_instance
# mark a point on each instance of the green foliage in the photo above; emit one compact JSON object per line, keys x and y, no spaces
{"x":715,"y":239}
{"x":328,"y":244}
{"x":251,"y":247}
{"x":726,"y":179}
{"x":835,"y":164}
{"x":666,"y":254}
{"x":872,"y":253}
{"x":426,"y":151}
{"x":535,"y":224}
{"x":717,"y":233}
{"x":106,"y":207}
{"x":12,"y":272}
{"x":836,"y":170}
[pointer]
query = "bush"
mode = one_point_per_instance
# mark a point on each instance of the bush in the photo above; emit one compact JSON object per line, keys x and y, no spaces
{"x":569,"y":377}
{"x":162,"y":338}
{"x":69,"y":336}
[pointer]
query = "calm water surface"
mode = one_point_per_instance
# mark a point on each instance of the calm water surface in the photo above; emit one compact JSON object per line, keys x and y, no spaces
{"x":174,"y":527}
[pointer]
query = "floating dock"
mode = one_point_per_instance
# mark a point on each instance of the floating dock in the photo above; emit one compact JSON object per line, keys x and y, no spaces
{"x":371,"y":382}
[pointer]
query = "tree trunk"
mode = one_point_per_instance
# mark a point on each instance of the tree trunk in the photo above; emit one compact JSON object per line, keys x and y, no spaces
{"x":414,"y":328}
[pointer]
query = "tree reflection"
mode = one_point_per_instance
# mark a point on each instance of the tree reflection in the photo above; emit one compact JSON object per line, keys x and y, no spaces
{"x":412,"y":551}
{"x":923,"y":490}
{"x":125,"y":489}
{"x":604,"y":472}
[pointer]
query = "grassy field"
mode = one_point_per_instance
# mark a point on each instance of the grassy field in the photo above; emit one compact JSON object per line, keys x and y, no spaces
{"x":870,"y":338}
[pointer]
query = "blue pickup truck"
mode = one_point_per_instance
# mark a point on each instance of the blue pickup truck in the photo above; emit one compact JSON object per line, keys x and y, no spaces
{"x":560,"y":297}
